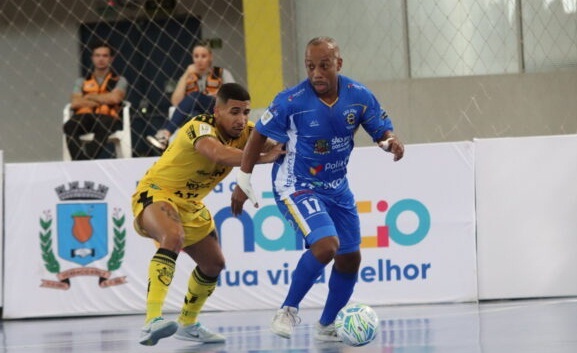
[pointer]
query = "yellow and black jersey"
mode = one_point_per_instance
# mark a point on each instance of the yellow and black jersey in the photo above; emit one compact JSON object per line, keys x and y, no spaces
{"x":182,"y":170}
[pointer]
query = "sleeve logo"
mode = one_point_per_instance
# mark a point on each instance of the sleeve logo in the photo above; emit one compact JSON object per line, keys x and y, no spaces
{"x":265,"y":118}
{"x":204,"y":129}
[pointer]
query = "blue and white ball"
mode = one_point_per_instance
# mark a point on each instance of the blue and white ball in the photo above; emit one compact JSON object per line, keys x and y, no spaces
{"x":357,"y":324}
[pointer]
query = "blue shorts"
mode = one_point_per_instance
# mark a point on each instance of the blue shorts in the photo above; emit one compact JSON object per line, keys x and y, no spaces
{"x":315,"y":216}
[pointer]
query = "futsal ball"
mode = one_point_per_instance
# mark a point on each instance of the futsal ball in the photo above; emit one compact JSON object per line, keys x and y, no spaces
{"x":357,"y":324}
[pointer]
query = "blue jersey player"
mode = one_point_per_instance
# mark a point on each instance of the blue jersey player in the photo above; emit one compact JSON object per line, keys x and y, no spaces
{"x":316,"y":121}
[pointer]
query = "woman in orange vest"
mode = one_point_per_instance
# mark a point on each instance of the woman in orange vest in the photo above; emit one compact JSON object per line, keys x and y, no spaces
{"x":96,"y":101}
{"x":194,"y":93}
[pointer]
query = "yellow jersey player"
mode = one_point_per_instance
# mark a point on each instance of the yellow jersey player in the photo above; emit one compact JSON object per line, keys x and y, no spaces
{"x":168,"y":207}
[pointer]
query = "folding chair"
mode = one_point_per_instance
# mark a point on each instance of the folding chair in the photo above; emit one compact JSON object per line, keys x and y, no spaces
{"x":122,"y":139}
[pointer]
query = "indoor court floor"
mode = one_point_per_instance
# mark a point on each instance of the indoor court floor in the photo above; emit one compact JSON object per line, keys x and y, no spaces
{"x":520,"y":326}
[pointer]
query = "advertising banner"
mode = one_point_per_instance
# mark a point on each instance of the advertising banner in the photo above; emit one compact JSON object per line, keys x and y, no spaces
{"x":70,"y":241}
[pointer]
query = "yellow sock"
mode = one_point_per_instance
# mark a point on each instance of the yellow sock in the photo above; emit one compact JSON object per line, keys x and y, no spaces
{"x":160,"y":274}
{"x":200,"y":287}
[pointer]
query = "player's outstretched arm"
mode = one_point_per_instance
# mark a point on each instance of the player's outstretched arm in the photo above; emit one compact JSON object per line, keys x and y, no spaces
{"x":215,"y":151}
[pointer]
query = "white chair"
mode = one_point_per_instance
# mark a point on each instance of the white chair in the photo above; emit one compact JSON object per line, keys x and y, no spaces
{"x":122,"y":139}
{"x":171,"y":111}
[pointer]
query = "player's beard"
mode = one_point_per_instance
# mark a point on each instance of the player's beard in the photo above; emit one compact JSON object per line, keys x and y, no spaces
{"x":321,"y":87}
{"x":235,"y":136}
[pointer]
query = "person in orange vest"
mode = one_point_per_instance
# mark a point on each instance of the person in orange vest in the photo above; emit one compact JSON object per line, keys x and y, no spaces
{"x":194,"y":93}
{"x":96,"y":102}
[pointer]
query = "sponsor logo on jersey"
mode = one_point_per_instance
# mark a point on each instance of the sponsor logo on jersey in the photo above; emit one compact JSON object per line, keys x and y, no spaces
{"x":195,"y":185}
{"x":296,"y":94}
{"x":340,"y":144}
{"x":336,"y":165}
{"x":315,"y":170}
{"x":190,"y":133}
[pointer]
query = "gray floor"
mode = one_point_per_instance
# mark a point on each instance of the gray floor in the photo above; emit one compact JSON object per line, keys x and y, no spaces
{"x":544,"y":326}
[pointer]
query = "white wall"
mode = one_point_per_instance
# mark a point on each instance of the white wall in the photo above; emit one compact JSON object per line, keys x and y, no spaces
{"x":38,"y":70}
{"x":526,"y":216}
{"x":2,"y":227}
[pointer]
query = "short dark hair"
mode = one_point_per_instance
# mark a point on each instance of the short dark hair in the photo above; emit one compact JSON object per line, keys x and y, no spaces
{"x":232,"y":91}
{"x":101,"y":44}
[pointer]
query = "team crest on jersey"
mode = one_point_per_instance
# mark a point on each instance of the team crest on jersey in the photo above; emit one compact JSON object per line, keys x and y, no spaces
{"x":322,"y":147}
{"x":350,"y":116}
{"x":82,"y":236}
{"x":351,"y":119}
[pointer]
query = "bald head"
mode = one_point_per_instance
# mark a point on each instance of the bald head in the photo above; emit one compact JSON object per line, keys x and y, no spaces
{"x":330,"y":42}
{"x":323,"y":63}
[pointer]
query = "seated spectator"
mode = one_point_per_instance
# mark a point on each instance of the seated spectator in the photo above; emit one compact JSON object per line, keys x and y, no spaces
{"x":194,"y":93}
{"x":96,"y":102}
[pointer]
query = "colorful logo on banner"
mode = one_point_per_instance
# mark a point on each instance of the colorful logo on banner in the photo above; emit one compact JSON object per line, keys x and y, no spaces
{"x":390,"y":229}
{"x":254,"y":230}
{"x":82,"y":236}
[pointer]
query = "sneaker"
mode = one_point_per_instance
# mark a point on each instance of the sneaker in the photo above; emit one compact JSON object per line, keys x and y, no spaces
{"x":284,"y":321}
{"x":160,"y":140}
{"x":198,"y":333}
{"x":326,"y":333}
{"x":156,"y":329}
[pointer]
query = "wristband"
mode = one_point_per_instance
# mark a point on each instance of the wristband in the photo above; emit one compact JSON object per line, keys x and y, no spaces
{"x":385,"y":145}
{"x":243,"y":182}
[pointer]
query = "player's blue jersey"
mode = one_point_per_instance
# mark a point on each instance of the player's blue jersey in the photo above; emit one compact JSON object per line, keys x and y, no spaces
{"x":318,"y":137}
